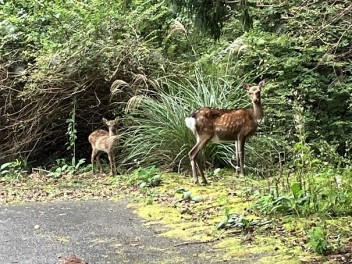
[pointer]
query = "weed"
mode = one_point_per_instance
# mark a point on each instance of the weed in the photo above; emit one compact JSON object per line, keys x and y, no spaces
{"x":14,"y":169}
{"x":146,"y":177}
{"x":62,"y":167}
{"x":72,"y":133}
{"x":328,"y":193}
{"x":239,"y":221}
{"x":318,"y":241}
{"x":187,"y":196}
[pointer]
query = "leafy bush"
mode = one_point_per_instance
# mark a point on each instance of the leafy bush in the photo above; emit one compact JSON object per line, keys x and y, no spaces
{"x":14,"y":169}
{"x":318,"y":240}
{"x":327,"y":193}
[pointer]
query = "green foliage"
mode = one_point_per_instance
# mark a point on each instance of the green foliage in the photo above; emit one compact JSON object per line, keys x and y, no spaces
{"x":210,"y":16}
{"x":239,"y":221}
{"x":146,"y":177}
{"x":187,"y":196}
{"x":318,"y":240}
{"x":298,"y":58}
{"x":327,"y":193}
{"x":62,"y":167}
{"x":14,"y":169}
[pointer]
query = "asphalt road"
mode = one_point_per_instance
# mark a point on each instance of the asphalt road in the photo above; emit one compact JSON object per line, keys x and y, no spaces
{"x":97,"y":231}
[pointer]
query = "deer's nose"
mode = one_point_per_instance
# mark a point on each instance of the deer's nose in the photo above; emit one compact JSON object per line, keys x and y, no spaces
{"x":255,"y":100}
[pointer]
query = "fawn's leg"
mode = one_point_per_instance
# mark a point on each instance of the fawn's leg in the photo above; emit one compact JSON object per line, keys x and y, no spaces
{"x":92,"y":159}
{"x":112,"y":161}
{"x":98,"y":162}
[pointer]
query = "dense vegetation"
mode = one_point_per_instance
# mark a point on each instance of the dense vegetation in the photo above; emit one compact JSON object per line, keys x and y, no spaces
{"x":66,"y":64}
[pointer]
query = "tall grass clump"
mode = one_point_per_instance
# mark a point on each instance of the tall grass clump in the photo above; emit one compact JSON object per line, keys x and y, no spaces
{"x":156,"y":130}
{"x":157,"y":135}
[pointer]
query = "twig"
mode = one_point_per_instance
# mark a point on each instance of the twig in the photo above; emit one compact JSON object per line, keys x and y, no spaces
{"x":39,"y":170}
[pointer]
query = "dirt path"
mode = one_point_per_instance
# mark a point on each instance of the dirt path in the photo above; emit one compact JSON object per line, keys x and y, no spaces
{"x":97,"y":231}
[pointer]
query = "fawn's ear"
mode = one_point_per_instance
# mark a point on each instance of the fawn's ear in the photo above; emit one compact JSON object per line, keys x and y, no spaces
{"x":245,"y":86}
{"x":261,"y":84}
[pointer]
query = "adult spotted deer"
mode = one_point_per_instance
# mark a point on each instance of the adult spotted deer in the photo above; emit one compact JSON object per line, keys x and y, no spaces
{"x":104,"y":141}
{"x":225,"y":125}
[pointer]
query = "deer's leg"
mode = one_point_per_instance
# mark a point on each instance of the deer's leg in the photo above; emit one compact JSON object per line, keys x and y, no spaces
{"x":94,"y":153}
{"x":201,"y":143}
{"x":112,"y":163}
{"x":241,"y":143}
{"x":237,"y":147}
{"x":98,"y":161}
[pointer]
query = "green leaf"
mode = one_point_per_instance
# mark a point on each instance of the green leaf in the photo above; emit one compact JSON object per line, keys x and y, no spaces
{"x":186,"y":195}
{"x":181,"y":190}
{"x":197,"y":198}
{"x":296,"y":189}
{"x":143,"y":185}
{"x":5,"y":165}
{"x":216,"y":171}
{"x":222,"y":224}
{"x":80,"y":162}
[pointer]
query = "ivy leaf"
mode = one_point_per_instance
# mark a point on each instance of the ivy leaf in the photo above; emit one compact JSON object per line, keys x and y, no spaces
{"x":186,"y":195}
{"x":197,"y":198}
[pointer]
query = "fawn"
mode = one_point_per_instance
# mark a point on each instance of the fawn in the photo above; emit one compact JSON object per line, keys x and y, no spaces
{"x":104,"y":141}
{"x":225,"y":125}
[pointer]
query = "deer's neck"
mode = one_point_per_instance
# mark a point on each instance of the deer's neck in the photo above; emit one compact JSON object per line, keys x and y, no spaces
{"x":258,"y":112}
{"x":111,"y":132}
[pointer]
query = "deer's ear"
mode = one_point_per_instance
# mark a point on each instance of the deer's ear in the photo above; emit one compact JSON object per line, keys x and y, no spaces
{"x":104,"y":120}
{"x":261,"y":84}
{"x":245,"y":86}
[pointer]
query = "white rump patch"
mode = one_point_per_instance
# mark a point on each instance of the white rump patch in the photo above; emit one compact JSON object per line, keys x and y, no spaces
{"x":191,"y":124}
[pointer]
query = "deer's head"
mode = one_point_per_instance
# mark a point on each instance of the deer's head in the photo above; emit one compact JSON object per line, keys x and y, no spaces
{"x":254,"y":91}
{"x":112,"y":124}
